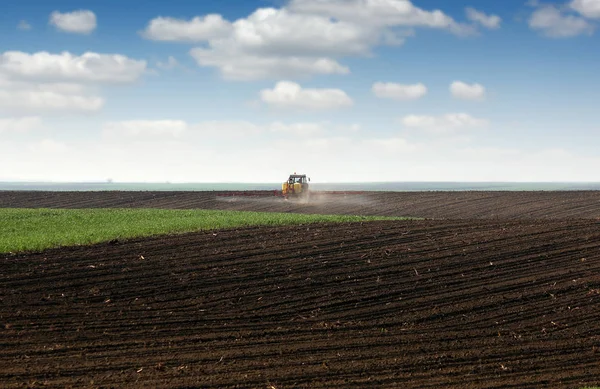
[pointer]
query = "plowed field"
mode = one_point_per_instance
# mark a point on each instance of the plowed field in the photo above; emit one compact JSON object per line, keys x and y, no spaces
{"x":494,"y":303}
{"x":427,"y":304}
{"x":433,"y":205}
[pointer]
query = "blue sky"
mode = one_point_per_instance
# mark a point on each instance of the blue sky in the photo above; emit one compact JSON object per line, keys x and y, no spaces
{"x":344,"y":90}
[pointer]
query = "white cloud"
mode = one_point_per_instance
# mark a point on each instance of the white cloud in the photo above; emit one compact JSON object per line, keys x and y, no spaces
{"x":288,"y":94}
{"x":24,"y":26}
{"x":304,"y":38}
{"x":380,"y":13}
{"x":398,"y":91}
{"x":195,"y":30}
{"x":552,"y":22}
{"x":35,"y":99}
{"x":88,"y":67}
{"x":170,"y":64}
{"x":44,"y":82}
{"x":79,"y":22}
{"x":446,"y":124}
{"x":461,"y":90}
{"x":588,"y":8}
{"x":23,"y":124}
{"x":276,"y":43}
{"x":242,"y":67}
{"x":488,"y":21}
{"x":271,"y":31}
{"x":144,"y":129}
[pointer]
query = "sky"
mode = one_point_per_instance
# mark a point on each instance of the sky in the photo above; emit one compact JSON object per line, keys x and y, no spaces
{"x":341,"y":90}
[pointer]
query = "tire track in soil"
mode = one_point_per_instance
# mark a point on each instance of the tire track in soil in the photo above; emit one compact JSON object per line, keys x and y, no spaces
{"x":415,"y":304}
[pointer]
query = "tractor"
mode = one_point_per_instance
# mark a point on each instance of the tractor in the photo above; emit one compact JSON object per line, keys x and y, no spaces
{"x":296,"y":187}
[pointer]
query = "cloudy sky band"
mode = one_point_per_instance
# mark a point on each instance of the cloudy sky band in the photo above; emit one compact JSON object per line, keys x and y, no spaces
{"x":402,"y":84}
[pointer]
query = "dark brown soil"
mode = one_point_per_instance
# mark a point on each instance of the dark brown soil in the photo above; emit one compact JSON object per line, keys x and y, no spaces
{"x":409,"y":304}
{"x":431,"y":205}
{"x":511,"y":301}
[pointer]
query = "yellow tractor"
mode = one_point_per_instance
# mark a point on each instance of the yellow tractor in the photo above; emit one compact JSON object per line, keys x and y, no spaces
{"x":296,"y":187}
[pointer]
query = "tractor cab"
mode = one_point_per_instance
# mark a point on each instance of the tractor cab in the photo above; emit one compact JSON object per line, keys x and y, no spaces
{"x":298,"y":179}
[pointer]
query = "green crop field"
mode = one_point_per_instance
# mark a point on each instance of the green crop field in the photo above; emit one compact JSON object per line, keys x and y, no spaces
{"x":38,"y":229}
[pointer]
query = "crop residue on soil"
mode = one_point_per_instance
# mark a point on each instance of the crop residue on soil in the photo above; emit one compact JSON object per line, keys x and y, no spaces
{"x":414,"y":304}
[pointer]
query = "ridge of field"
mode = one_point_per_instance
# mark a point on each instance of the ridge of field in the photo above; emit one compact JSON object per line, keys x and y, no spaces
{"x":411,"y":304}
{"x":431,"y":205}
{"x":36,"y":229}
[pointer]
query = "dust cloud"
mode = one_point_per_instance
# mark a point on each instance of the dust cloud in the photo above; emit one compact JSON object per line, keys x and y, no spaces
{"x":317,"y":201}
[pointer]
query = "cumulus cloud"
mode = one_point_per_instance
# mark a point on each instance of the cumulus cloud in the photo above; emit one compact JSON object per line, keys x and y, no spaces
{"x":395,"y":91}
{"x":23,"y":124}
{"x":380,"y":13}
{"x":281,"y":32}
{"x":287,"y":94}
{"x":461,"y":90}
{"x":588,"y":8}
{"x":487,"y":21}
{"x":24,"y":26}
{"x":554,"y":23}
{"x":34,"y":99}
{"x":197,"y":29}
{"x":23,"y":96}
{"x":44,"y":82}
{"x":304,"y":38}
{"x":446,"y":124}
{"x":79,"y":22}
{"x":234,"y":66}
{"x":88,"y":67}
{"x":276,"y":43}
{"x":270,"y":31}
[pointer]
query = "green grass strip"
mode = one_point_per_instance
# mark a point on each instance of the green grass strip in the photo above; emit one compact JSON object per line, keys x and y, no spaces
{"x":24,"y":229}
